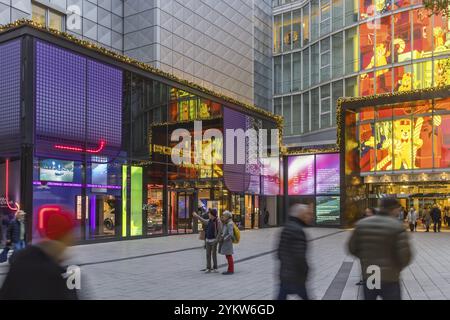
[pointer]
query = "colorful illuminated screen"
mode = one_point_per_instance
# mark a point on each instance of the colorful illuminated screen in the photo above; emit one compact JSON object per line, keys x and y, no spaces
{"x":328,"y":210}
{"x":301,"y":175}
{"x":327,"y":173}
{"x":56,"y":170}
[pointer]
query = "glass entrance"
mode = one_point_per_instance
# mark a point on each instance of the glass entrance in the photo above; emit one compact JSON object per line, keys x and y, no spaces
{"x":180,"y":213}
{"x":251,"y":212}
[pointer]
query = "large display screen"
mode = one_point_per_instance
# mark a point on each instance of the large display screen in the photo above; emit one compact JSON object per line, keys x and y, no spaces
{"x":301,"y":175}
{"x":328,"y":210}
{"x":271,"y":176}
{"x":327,"y":173}
{"x":56,"y":170}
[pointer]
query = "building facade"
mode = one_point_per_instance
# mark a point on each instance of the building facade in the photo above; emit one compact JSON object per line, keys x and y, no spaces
{"x":91,"y":132}
{"x":221,"y":45}
{"x":326,"y":49}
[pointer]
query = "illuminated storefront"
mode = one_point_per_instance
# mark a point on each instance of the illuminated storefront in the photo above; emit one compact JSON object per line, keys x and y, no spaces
{"x":94,"y":136}
{"x":396,"y":145}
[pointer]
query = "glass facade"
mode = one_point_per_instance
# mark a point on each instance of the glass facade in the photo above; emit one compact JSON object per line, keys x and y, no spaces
{"x":360,"y":48}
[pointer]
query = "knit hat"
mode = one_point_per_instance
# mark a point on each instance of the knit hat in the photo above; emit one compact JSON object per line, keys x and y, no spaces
{"x":56,"y":223}
{"x":213,"y":211}
{"x":389,"y":203}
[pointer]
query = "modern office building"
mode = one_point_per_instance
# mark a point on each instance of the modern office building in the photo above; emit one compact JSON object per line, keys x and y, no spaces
{"x":326,"y":49}
{"x":221,"y":45}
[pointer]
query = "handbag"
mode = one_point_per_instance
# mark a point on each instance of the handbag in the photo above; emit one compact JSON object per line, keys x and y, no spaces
{"x":201,"y":235}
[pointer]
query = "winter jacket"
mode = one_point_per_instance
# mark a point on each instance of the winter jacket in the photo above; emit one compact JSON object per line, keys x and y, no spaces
{"x":216,"y":225}
{"x":292,"y":253}
{"x":226,"y":239}
{"x":33,"y":275}
{"x":436,"y":214}
{"x":13,"y":233}
{"x":382,"y":241}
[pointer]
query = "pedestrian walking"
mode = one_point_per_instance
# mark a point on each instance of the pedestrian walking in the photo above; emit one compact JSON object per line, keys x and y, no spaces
{"x":16,"y":235}
{"x":226,"y":241}
{"x":5,"y":220}
{"x":35,"y":272}
{"x":412,"y":219}
{"x":367,"y":213}
{"x":213,"y":229}
{"x":382,"y":241}
{"x":436,"y":217}
{"x":292,"y":251}
{"x":427,"y":219}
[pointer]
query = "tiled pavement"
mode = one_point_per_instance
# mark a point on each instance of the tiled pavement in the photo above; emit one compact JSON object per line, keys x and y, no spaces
{"x":168,"y":268}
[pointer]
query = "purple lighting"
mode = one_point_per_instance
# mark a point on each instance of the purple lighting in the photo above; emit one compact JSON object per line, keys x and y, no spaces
{"x":76,"y":185}
{"x":93,"y":209}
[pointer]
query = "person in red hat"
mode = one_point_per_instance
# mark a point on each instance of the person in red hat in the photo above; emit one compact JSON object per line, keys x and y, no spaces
{"x":35,"y":272}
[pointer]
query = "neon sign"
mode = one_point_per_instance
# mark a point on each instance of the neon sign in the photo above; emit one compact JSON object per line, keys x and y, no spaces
{"x":79,"y":149}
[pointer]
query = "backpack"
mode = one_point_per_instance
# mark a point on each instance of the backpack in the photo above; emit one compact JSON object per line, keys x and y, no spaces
{"x":236,"y":234}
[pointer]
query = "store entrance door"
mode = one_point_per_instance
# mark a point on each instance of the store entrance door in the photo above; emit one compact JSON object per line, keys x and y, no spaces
{"x":180,"y":219}
{"x":251,"y":211}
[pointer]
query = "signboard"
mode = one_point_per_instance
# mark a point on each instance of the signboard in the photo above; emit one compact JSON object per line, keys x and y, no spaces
{"x":327,"y":173}
{"x":328,"y":210}
{"x":301,"y":175}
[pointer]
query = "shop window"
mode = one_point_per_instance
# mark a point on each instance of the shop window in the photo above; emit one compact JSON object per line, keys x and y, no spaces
{"x":366,"y":113}
{"x":367,"y":44}
{"x":315,"y":64}
{"x":287,"y":81}
{"x":297,"y":114}
{"x":402,"y":37}
{"x":47,"y":17}
{"x":351,"y":51}
{"x":306,"y":68}
{"x":422,"y":34}
{"x":315,"y":109}
{"x":383,"y":146}
{"x":366,"y":9}
{"x":351,"y":12}
{"x":325,"y":17}
{"x":337,"y":55}
{"x":314,"y":19}
{"x":383,"y":81}
{"x":351,"y":87}
{"x":325,"y":107}
{"x":305,"y":113}
{"x":338,"y":12}
{"x":422,"y":75}
{"x":337,"y":92}
{"x":297,"y":71}
{"x":383,"y":113}
{"x":277,"y":74}
{"x":287,"y":31}
{"x":403,"y":78}
{"x":287,"y":115}
{"x":383,"y":43}
{"x":441,"y":35}
{"x":367,"y":147}
{"x":403,"y":3}
{"x":441,"y":72}
{"x":296,"y":28}
{"x":366,"y":84}
{"x":305,"y":25}
{"x":325,"y":59}
{"x":277,"y":34}
{"x":441,"y":141}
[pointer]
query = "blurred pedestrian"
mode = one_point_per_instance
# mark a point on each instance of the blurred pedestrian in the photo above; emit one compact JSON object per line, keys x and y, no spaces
{"x":213,"y":231}
{"x":382,"y":241}
{"x":266,"y":217}
{"x":370,"y":211}
{"x":5,"y":220}
{"x":412,"y":219}
{"x":427,"y":219}
{"x":292,"y":250}
{"x":447,"y":216}
{"x":226,"y":241}
{"x":436,"y":217}
{"x":16,"y":235}
{"x":35,"y":272}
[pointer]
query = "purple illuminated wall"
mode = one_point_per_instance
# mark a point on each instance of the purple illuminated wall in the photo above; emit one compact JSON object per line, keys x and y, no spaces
{"x":10,"y":55}
{"x":78,"y":101}
{"x":234,"y":174}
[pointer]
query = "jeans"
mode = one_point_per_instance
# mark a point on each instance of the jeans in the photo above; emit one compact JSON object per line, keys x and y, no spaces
{"x":437,"y":225}
{"x":387,"y":291}
{"x":19,"y":245}
{"x":286,"y":289}
{"x":211,"y":250}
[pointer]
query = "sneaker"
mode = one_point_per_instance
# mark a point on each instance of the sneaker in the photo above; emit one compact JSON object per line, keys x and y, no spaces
{"x":208,"y":271}
{"x":227,"y":272}
{"x":215,"y":270}
{"x":203,"y":270}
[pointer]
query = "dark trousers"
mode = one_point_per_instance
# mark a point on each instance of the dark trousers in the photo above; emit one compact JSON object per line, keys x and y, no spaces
{"x":211,"y":250}
{"x":437,"y":225}
{"x":297,"y":289}
{"x":387,"y":291}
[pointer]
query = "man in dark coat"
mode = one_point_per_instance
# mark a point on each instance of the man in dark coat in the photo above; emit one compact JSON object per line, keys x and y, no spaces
{"x":436,"y":217}
{"x":292,"y":253}
{"x":35,"y":272}
{"x":381,"y":243}
{"x":16,"y":235}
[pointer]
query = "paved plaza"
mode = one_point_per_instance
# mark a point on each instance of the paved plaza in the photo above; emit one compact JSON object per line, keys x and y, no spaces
{"x":169,"y":268}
